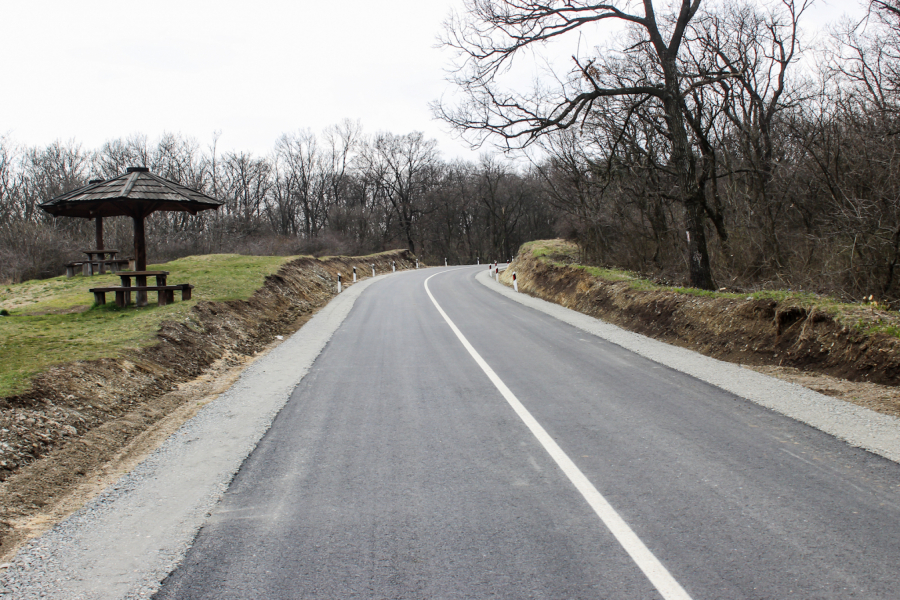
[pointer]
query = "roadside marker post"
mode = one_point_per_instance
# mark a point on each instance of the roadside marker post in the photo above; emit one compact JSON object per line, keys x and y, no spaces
{"x":445,"y":262}
{"x":393,"y":266}
{"x":515,"y":283}
{"x":417,"y":263}
{"x":354,"y":274}
{"x":373,"y":269}
{"x":477,"y":260}
{"x":339,"y":283}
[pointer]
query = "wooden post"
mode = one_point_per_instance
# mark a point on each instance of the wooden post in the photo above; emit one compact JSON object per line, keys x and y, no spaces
{"x":140,"y":258}
{"x":99,"y":236}
{"x":140,"y":244}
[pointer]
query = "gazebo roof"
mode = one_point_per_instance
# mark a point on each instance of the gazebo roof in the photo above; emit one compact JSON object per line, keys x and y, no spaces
{"x":136,"y":193}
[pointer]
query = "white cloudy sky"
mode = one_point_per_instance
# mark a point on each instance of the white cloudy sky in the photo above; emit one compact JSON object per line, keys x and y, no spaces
{"x":92,"y":70}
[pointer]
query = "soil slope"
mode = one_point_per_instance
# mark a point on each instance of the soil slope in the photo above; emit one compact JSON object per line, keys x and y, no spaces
{"x":79,"y":416}
{"x":784,"y":338}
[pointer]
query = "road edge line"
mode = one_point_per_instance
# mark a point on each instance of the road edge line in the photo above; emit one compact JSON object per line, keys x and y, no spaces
{"x":655,"y":571}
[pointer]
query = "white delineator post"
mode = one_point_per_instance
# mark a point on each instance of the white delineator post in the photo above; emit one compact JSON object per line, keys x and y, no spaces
{"x":515,"y":283}
{"x":339,"y":283}
{"x":445,"y":262}
{"x":497,"y":273}
{"x":373,"y":269}
{"x":354,"y":274}
{"x":393,"y":266}
{"x":417,"y":263}
{"x":477,"y":260}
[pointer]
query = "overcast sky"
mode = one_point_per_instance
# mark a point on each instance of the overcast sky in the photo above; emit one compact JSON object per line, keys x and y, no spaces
{"x":93,"y":70}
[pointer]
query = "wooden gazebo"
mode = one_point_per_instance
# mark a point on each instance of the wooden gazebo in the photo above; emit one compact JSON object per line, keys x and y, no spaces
{"x":136,"y":194}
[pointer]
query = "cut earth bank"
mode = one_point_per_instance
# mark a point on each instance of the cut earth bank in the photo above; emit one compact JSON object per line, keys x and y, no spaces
{"x":84,"y":423}
{"x":850,"y":352}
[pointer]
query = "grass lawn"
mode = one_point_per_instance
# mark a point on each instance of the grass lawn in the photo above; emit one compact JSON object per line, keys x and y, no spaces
{"x":54,"y":321}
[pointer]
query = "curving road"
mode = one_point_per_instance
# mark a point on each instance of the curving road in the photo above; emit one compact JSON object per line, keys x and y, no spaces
{"x":451,"y":443}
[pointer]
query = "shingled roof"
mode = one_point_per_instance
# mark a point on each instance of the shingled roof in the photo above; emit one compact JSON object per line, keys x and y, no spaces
{"x":136,"y":193}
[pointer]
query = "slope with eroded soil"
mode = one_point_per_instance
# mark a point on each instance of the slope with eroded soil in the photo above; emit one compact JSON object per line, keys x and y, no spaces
{"x":846,"y":351}
{"x":82,"y":423}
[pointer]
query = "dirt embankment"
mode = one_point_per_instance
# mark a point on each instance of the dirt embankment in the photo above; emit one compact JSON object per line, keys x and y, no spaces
{"x":784,"y":339}
{"x":79,"y":416}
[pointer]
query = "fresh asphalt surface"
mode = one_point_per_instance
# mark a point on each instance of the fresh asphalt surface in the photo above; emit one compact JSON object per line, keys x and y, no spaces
{"x":398,"y":470}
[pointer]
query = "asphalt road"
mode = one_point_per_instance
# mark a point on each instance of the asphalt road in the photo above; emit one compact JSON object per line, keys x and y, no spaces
{"x":398,"y":469}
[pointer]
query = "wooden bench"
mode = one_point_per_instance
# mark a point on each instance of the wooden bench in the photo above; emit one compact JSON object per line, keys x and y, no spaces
{"x":115,"y":264}
{"x":165,"y":293}
{"x":70,"y":268}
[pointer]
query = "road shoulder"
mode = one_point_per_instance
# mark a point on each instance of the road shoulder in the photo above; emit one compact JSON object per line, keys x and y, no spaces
{"x":858,"y":426}
{"x":126,"y":540}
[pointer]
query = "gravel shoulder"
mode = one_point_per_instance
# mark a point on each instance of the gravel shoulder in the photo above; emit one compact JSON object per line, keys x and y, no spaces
{"x":857,"y":425}
{"x":128,"y":538}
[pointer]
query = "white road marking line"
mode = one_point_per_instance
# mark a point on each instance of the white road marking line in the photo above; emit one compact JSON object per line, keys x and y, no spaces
{"x":658,"y":575}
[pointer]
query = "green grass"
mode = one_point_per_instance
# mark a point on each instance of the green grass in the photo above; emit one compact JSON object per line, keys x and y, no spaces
{"x":860,"y":316}
{"x":54,"y":321}
{"x":869,"y":329}
{"x":551,"y":249}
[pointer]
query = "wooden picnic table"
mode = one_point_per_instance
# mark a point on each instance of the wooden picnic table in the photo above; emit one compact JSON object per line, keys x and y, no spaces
{"x":140,"y":280}
{"x":140,"y":277}
{"x":99,"y":259}
{"x":100,"y":254}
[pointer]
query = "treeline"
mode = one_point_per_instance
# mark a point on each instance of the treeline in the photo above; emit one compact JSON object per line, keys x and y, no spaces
{"x":335,"y":192}
{"x":711,"y":142}
{"x":711,"y":145}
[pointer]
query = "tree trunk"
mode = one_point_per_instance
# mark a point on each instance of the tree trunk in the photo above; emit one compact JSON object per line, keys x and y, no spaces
{"x":698,"y":255}
{"x":690,"y":191}
{"x":140,"y":244}
{"x":140,"y":258}
{"x":98,"y":237}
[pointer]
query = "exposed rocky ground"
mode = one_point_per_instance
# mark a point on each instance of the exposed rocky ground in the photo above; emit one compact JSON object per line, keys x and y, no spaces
{"x":80,"y":418}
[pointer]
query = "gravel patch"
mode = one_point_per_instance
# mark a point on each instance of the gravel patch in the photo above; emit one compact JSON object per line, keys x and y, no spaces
{"x":128,"y":539}
{"x":858,"y":426}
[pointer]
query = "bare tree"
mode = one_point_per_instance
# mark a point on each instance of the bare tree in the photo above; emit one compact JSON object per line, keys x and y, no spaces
{"x":738,"y":117}
{"x":402,"y":168}
{"x":505,"y":200}
{"x":245,"y":187}
{"x":299,"y":187}
{"x":492,"y":32}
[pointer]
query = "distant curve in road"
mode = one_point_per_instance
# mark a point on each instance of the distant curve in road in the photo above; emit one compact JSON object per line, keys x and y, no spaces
{"x":398,"y":469}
